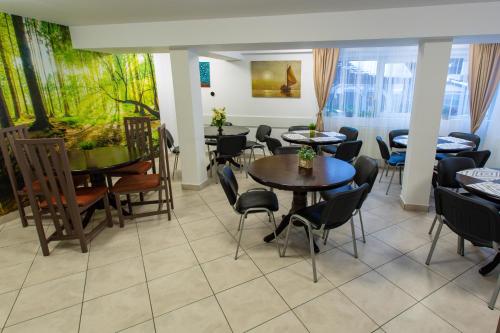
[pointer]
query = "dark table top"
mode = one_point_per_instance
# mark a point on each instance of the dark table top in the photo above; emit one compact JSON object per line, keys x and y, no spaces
{"x":212,"y":131}
{"x":282,"y":172}
{"x":319,"y":138}
{"x":100,"y":160}
{"x":445,"y":144}
{"x":465,"y":181}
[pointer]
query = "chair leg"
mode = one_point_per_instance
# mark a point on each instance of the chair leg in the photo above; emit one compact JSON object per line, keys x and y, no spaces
{"x":22,"y":213}
{"x":434,"y":242}
{"x":119,"y":209}
{"x":494,"y":296}
{"x":400,"y":177}
{"x":176,"y":160}
{"x":107,"y":210}
{"x":355,"y":247}
{"x":326,"y":233}
{"x":390,"y":181}
{"x":264,"y":151}
{"x":362,"y":227}
{"x":275,"y":236}
{"x":460,"y":246}
{"x":129,"y":203}
{"x":313,"y":256}
{"x":290,"y":225}
{"x":242,"y":223}
{"x":382,"y":173}
{"x":433,"y":224}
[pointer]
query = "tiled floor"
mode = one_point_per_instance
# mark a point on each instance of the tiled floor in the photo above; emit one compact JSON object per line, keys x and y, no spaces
{"x":180,"y":276}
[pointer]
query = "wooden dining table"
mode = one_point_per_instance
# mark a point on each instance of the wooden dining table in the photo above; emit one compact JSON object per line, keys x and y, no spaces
{"x":282,"y":172}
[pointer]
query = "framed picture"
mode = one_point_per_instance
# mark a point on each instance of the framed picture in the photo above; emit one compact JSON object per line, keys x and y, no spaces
{"x":276,"y":78}
{"x":205,"y":74}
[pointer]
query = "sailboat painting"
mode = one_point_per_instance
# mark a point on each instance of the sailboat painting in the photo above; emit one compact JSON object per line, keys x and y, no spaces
{"x":276,"y":78}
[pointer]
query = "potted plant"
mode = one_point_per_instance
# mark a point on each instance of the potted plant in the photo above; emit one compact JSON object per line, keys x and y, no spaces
{"x":306,"y":157}
{"x":312,"y":129}
{"x":219,"y":118}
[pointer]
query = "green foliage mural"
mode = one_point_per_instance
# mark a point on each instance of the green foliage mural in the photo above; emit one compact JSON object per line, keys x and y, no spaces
{"x":60,"y":91}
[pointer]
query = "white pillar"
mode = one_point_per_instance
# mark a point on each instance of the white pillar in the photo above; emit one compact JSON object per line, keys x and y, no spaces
{"x":430,"y":83}
{"x":165,"y":89}
{"x":187,"y":94}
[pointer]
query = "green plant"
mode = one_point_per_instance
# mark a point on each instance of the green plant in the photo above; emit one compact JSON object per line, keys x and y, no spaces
{"x":312,"y":126}
{"x":218,"y":116}
{"x":306,"y":153}
{"x":87,"y":145}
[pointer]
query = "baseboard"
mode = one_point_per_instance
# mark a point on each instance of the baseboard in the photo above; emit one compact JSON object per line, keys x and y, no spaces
{"x":413,"y":207}
{"x":193,"y":187}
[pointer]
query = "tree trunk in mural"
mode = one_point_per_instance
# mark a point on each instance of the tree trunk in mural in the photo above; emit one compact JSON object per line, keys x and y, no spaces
{"x":8,"y":76}
{"x":41,"y":120}
{"x":5,"y":120}
{"x":152,"y":75}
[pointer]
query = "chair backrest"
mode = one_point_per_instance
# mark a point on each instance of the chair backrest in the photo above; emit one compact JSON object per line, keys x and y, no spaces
{"x":46,"y":161}
{"x":350,"y":132}
{"x":298,"y":128}
{"x":366,"y":171}
{"x":273,"y":144}
{"x":479,"y":156}
{"x":231,"y":145}
{"x":170,"y":139}
{"x":140,"y":136}
{"x":384,"y":150}
{"x":475,"y":220}
{"x":7,"y":137}
{"x":228,"y":183}
{"x":348,"y":150}
{"x":395,"y":133}
{"x":163,"y":160}
{"x":467,"y":136}
{"x":263,"y":131}
{"x":340,"y":207}
{"x":447,"y":170}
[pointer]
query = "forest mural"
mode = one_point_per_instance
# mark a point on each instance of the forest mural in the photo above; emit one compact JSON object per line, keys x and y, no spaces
{"x":60,"y":91}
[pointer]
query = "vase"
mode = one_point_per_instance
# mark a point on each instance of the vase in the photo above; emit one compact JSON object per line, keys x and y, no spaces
{"x":219,"y":129}
{"x":312,"y":133}
{"x":305,"y":164}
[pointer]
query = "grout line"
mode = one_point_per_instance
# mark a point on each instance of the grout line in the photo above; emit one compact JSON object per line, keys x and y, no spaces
{"x":84,"y":286}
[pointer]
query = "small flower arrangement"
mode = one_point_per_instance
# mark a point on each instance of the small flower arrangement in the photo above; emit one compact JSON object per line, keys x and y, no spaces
{"x":312,"y":129}
{"x":306,"y":156}
{"x":218,"y":116}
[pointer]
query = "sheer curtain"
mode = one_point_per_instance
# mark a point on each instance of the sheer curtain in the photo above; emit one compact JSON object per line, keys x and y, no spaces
{"x":373,"y":92}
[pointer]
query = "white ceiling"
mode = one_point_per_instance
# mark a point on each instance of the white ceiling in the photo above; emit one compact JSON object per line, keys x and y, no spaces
{"x":89,"y":12}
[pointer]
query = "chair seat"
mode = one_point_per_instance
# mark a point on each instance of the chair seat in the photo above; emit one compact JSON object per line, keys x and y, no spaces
{"x":441,"y":156}
{"x":257,"y":199}
{"x":253,"y":144}
{"x":396,"y":159}
{"x":330,"y":149}
{"x":85,"y":196}
{"x":136,"y":183}
{"x":78,"y":180}
{"x":313,"y":213}
{"x":208,"y":142}
{"x":138,"y":168}
{"x":326,"y":195}
{"x":176,"y":150}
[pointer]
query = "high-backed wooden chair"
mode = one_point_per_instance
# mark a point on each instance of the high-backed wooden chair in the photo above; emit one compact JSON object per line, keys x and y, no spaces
{"x":142,"y":183}
{"x":45,"y":162}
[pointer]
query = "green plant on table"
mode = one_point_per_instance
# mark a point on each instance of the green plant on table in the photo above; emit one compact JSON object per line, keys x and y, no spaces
{"x":87,"y":145}
{"x":312,"y":126}
{"x":218,"y":117}
{"x":306,"y":153}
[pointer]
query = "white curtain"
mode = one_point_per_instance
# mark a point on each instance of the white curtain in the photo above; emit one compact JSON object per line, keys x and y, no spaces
{"x":490,"y":132}
{"x":373,"y":92}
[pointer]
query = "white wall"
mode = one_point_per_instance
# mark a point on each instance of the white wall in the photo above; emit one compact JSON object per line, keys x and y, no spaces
{"x":232,"y":84}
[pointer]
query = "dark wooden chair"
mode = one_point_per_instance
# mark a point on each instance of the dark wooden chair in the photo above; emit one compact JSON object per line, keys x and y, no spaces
{"x":143,"y":183}
{"x":45,"y":162}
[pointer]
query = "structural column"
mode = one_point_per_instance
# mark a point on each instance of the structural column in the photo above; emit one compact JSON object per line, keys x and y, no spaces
{"x":189,"y":114}
{"x":165,"y":89}
{"x":430,"y":83}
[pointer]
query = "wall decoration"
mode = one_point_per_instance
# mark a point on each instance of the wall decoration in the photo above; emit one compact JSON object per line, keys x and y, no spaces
{"x":276,"y":78}
{"x":60,"y":91}
{"x":205,"y":74}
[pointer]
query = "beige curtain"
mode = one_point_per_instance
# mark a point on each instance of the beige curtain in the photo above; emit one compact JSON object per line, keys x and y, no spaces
{"x":484,"y":75}
{"x":325,"y":64}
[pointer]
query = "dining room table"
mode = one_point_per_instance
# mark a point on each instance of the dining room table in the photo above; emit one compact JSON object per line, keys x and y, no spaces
{"x":444,"y":144}
{"x":282,"y":172}
{"x":484,"y":183}
{"x":314,"y":139}
{"x":97,"y":163}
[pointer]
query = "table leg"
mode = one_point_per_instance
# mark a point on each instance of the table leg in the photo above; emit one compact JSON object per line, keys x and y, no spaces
{"x":299,"y":201}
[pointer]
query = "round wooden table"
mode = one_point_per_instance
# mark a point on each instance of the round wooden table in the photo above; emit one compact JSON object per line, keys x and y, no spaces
{"x":319,"y":138}
{"x":282,"y":172}
{"x":212,"y":132}
{"x":445,"y":144}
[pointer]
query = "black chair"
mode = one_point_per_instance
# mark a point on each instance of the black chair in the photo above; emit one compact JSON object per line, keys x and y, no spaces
{"x":469,"y":218}
{"x":212,"y":142}
{"x":479,"y":156}
{"x":348,"y":151}
{"x":350,"y":133}
{"x":229,"y":147}
{"x":298,"y":128}
{"x":253,"y":201}
{"x":467,"y":136}
{"x":366,"y":173}
{"x":276,"y":148}
{"x":396,"y":133}
{"x":445,"y":175}
{"x":394,"y":159}
{"x":263,"y":131}
{"x":327,"y":215}
{"x":173,"y":149}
